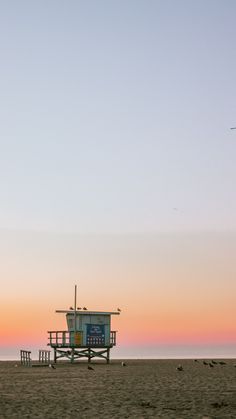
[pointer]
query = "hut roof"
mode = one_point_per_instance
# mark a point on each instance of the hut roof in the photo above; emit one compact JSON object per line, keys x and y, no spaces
{"x":84,"y":312}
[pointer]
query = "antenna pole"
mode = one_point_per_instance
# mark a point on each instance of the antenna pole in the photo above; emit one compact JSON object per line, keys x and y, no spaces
{"x":75,"y":306}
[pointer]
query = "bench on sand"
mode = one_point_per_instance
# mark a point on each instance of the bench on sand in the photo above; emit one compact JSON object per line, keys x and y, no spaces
{"x":43,"y":360}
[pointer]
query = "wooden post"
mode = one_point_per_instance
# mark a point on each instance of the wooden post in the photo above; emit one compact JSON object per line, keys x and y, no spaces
{"x":72,"y":354}
{"x":108,"y":355}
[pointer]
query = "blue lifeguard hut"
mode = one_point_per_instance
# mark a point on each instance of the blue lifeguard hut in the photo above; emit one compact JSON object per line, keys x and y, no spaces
{"x":88,"y":334}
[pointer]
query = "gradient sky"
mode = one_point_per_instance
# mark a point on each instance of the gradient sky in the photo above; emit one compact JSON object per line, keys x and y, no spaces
{"x":117,"y":170}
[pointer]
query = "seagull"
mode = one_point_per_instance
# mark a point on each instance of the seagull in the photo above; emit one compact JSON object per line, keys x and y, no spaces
{"x":119,"y":309}
{"x":205,"y":363}
{"x":214,"y":362}
{"x":78,"y":308}
{"x":123,"y":364}
{"x":71,"y":308}
{"x":84,"y":308}
{"x":180,"y":368}
{"x":177,"y":210}
{"x":211,"y":365}
{"x":52,"y":366}
{"x":90,"y":368}
{"x":222,"y":363}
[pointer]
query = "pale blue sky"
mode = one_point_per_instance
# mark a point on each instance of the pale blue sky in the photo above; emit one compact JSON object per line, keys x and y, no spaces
{"x":112,"y":113}
{"x":115,"y":116}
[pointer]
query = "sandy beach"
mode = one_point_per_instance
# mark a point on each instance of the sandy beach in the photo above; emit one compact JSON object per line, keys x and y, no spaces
{"x":141,"y":389}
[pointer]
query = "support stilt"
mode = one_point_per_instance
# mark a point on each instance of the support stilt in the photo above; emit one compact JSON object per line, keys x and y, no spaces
{"x":72,"y":355}
{"x":108,"y":355}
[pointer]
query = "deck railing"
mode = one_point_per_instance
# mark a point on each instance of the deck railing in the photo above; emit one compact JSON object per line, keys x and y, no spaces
{"x":60,"y":338}
{"x":113,"y":338}
{"x":25,"y":357}
{"x":64,"y":338}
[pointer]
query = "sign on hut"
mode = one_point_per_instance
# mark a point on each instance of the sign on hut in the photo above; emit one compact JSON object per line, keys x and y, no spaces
{"x":88,"y":334}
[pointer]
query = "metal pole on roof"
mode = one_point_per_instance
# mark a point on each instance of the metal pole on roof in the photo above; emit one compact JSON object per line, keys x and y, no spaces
{"x":75,"y":307}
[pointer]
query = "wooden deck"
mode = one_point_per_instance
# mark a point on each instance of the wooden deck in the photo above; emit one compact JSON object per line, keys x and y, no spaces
{"x":66,"y":339}
{"x":70,"y":345}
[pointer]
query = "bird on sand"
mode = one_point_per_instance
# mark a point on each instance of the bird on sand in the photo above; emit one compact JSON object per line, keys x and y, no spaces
{"x":205,"y":363}
{"x":211,"y":365}
{"x":180,"y":367}
{"x":222,"y":363}
{"x":85,"y":308}
{"x":214,"y":362}
{"x":52,"y":366}
{"x":119,"y":309}
{"x":123,"y":364}
{"x":78,"y":308}
{"x":90,"y":368}
{"x":71,"y":308}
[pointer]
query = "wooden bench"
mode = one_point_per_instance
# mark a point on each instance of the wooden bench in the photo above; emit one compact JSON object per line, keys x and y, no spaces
{"x":43,"y":361}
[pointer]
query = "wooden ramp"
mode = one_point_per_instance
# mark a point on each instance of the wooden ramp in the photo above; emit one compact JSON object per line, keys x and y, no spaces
{"x":43,"y":359}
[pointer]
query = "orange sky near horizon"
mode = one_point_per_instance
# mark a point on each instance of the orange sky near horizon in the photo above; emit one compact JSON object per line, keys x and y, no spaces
{"x":172,"y":289}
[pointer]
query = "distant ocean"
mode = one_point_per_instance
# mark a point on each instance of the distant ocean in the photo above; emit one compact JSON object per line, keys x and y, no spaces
{"x":9,"y":357}
{"x":151,"y":352}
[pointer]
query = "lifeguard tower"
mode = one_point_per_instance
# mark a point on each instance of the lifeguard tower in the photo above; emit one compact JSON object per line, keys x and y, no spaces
{"x":88,"y":334}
